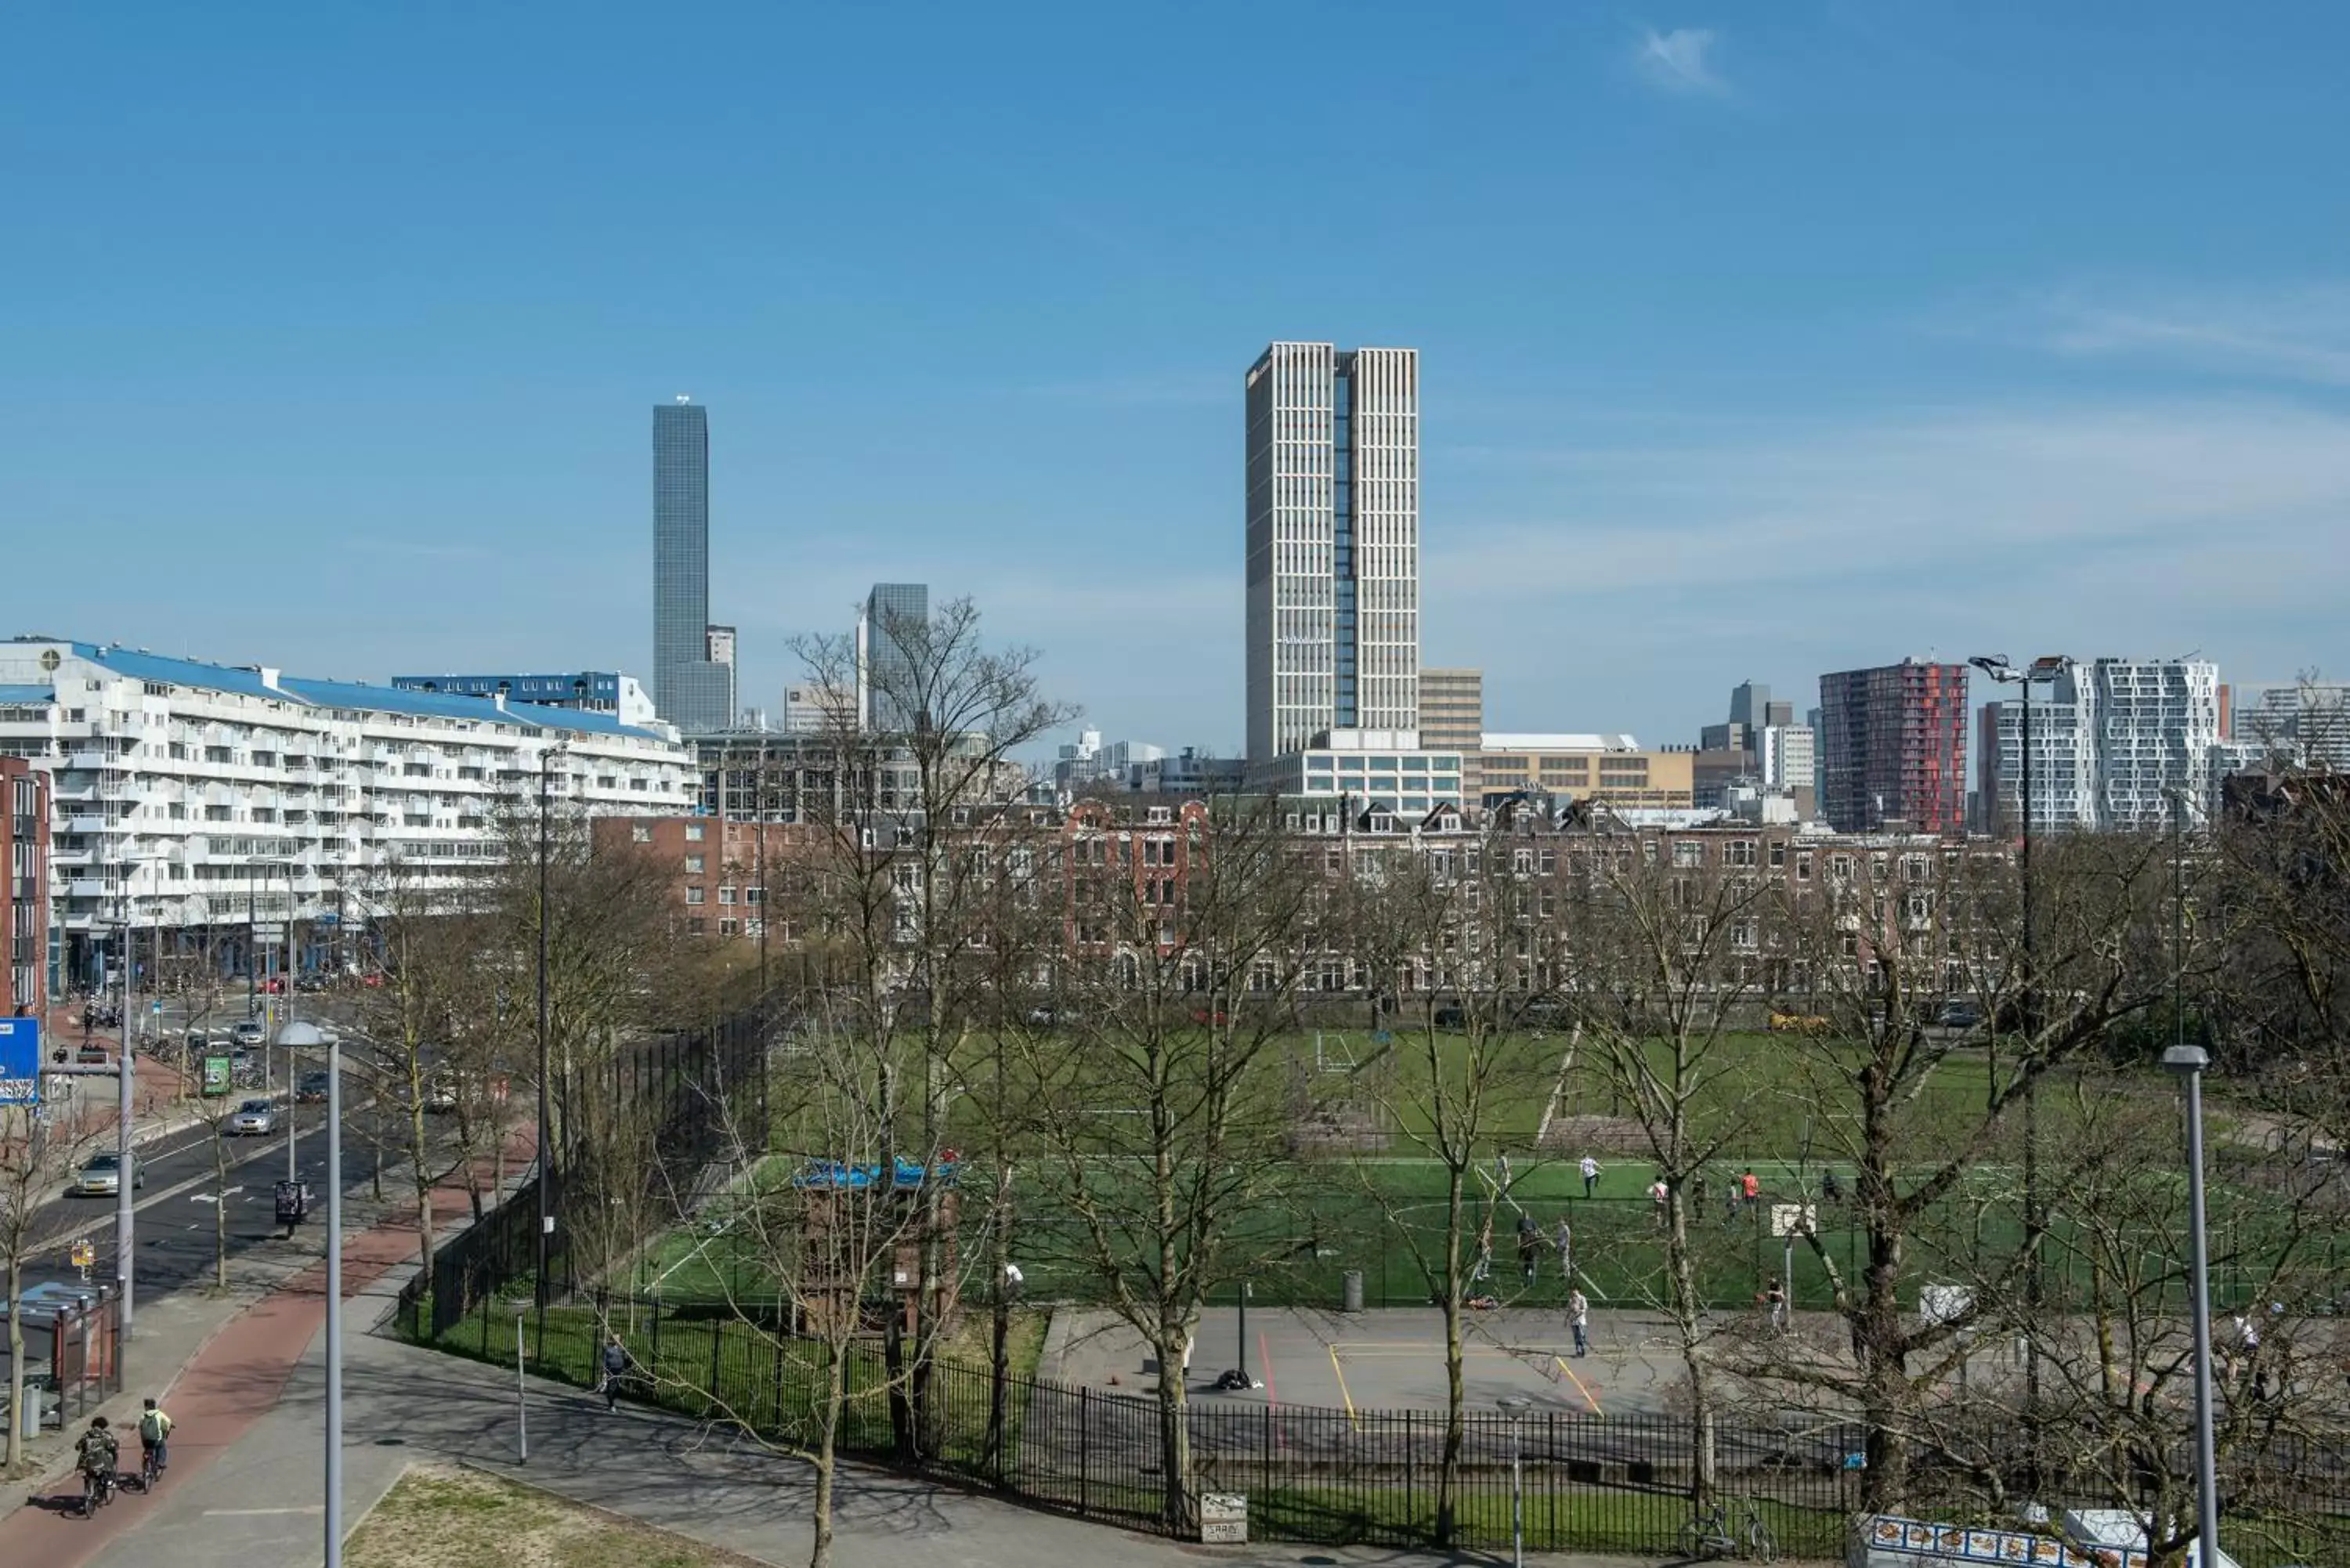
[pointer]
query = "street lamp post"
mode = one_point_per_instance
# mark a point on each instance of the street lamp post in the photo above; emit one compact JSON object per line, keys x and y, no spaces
{"x":546,"y":1144}
{"x":2047,"y":669}
{"x":2188,"y":1062}
{"x":126,"y":1217}
{"x":1513,"y":1406}
{"x":309,"y":1035}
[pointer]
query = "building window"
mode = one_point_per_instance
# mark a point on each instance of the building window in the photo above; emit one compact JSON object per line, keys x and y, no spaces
{"x":1689,"y":852}
{"x":693,"y":894}
{"x":726,"y":928}
{"x":693,"y":865}
{"x":725,"y":895}
{"x":696,"y":926}
{"x":755,"y":895}
{"x":642,"y":835}
{"x":693,"y":832}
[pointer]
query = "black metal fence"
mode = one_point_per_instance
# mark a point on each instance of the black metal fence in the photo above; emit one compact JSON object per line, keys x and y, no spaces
{"x":1326,"y":1476}
{"x":705,"y":1093}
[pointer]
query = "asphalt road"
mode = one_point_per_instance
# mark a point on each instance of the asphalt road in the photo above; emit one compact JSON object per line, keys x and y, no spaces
{"x":174,"y":1211}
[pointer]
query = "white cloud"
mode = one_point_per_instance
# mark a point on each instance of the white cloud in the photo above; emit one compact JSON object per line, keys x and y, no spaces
{"x":1681,"y":61}
{"x":1615,"y":586}
{"x":2300,"y":333}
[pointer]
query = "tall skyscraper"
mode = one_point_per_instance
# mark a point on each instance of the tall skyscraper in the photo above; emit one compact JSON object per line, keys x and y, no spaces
{"x":1893,"y":747}
{"x":886,"y":699}
{"x":1333,"y":543}
{"x":690,"y":690}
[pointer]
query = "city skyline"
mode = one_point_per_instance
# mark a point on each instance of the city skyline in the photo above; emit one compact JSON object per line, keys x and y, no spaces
{"x":1819,"y":323}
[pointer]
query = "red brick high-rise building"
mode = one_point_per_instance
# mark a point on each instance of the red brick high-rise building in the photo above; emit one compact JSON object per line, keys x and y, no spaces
{"x":1893,"y":747}
{"x":24,"y":910}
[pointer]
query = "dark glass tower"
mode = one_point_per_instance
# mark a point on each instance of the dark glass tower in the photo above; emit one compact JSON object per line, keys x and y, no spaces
{"x":689,"y":690}
{"x":893,"y":613}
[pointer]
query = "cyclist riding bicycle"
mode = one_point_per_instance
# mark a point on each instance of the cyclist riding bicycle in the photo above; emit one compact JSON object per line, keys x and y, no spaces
{"x":154,"y":1442}
{"x":99,"y":1455}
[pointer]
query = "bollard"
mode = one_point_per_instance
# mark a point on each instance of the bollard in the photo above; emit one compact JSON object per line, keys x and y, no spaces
{"x":1353,"y":1288}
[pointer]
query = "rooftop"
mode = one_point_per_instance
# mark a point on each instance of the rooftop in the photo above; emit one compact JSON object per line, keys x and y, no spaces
{"x":1537,"y":741}
{"x":248,"y":681}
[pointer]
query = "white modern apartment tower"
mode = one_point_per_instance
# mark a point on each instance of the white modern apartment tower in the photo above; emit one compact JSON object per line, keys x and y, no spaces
{"x":2110,"y":741}
{"x":196,"y":801}
{"x":1332,"y":475}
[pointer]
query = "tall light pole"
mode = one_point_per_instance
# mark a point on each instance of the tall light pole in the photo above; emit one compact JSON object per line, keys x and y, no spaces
{"x":126,"y":1216}
{"x":2188,"y":1062}
{"x":310,"y":1035}
{"x":1514,"y":1407}
{"x":2047,"y":669}
{"x":546,"y":1144}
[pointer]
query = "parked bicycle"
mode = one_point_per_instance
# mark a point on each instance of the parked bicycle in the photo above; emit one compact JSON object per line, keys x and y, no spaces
{"x":1713,"y":1533}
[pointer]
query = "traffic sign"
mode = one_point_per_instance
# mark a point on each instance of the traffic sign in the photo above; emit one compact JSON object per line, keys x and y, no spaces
{"x":20,"y":1061}
{"x":269,"y":931}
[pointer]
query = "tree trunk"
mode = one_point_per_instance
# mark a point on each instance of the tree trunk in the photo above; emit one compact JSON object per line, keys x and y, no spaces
{"x":421,"y":1178}
{"x":1703,"y":1477}
{"x":1000,"y":1330}
{"x":1175,"y":1431}
{"x":828,"y":1443}
{"x":16,"y":1357}
{"x":1456,"y":1394}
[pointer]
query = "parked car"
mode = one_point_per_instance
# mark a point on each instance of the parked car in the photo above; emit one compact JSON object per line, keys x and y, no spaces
{"x":311,"y":1089}
{"x":1959,"y":1015}
{"x":101,"y":1175}
{"x":254,"y":1118}
{"x":441,"y":1093}
{"x":249,"y":1032}
{"x":91,"y":1054}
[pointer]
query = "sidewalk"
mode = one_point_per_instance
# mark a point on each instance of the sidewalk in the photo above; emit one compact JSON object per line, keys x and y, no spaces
{"x":223,"y":1364}
{"x":404,"y":1405}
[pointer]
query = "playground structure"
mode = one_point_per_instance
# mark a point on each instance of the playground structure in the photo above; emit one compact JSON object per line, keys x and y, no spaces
{"x":856,"y":1216}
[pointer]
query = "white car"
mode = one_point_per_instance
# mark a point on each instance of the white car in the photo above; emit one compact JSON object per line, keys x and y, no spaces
{"x":101,"y":1177}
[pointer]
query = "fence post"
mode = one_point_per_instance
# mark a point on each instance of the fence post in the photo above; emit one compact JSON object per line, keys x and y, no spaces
{"x":777,"y":1419}
{"x":717,"y":1337}
{"x":1084,"y":1455}
{"x":656,"y":1330}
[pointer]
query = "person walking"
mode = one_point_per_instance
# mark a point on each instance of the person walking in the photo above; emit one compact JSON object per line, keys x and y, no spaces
{"x":1529,"y":1248}
{"x":1578,"y":1318}
{"x":1750,"y":1188}
{"x":1484,"y":1250}
{"x":616,"y":1368}
{"x":154,"y":1440}
{"x":1590,"y":1175}
{"x":1775,"y":1297}
{"x":1658,"y":1196}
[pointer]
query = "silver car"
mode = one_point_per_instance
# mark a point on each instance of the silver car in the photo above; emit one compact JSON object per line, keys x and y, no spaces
{"x":249,"y":1032}
{"x":102,"y":1177}
{"x":254,"y":1118}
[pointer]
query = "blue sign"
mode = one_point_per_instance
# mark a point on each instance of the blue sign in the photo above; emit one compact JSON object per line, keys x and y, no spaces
{"x":20,"y":1061}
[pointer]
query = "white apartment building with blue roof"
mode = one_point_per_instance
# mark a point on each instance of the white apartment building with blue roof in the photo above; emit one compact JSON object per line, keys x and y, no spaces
{"x":199,"y":803}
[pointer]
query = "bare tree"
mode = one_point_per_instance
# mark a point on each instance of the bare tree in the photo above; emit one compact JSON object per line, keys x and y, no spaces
{"x":1678,"y":941}
{"x":1160,"y":1090}
{"x":1892,"y":930}
{"x":925,"y":719}
{"x":38,"y":1150}
{"x":1455,"y":945}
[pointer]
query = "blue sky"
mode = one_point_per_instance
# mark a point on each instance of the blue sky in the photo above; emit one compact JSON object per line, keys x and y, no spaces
{"x":1757,"y":340}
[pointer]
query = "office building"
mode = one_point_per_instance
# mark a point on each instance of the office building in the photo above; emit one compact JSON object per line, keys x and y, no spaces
{"x":25,"y":852}
{"x":690,"y":690}
{"x":2308,"y":721}
{"x":718,"y":642}
{"x":1191,"y":771}
{"x":1375,"y":767}
{"x":1611,"y":768}
{"x":1333,"y":544}
{"x":587,"y":690}
{"x":1893,"y":747}
{"x":196,"y":800}
{"x":1452,"y":718}
{"x":1091,"y":761}
{"x":892,"y":635}
{"x":810,"y":708}
{"x":2111,"y":739}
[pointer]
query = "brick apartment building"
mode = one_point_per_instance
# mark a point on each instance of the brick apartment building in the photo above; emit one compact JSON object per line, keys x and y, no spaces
{"x":25,"y":913}
{"x":1893,"y":747}
{"x":717,"y":872}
